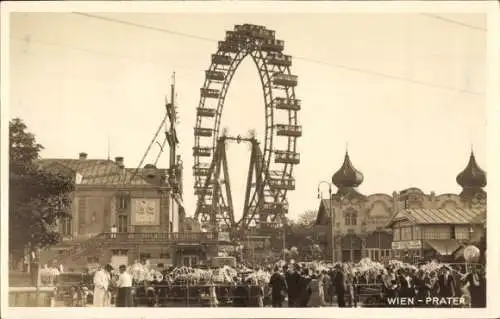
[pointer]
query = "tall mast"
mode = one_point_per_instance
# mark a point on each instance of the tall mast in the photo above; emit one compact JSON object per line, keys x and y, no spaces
{"x":171,"y":132}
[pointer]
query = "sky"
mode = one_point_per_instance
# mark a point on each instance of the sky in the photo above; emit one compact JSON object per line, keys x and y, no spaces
{"x":404,"y":93}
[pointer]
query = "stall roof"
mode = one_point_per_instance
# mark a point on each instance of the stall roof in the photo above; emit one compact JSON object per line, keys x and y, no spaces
{"x":436,"y":216}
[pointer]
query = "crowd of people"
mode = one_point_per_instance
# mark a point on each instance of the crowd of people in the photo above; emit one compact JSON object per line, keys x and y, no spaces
{"x":312,"y":284}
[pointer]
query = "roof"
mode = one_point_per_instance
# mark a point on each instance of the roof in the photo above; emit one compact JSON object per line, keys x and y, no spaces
{"x":347,"y":175}
{"x":323,"y":211}
{"x":96,"y":171}
{"x":480,"y":218}
{"x":472,"y":176}
{"x":450,"y":216}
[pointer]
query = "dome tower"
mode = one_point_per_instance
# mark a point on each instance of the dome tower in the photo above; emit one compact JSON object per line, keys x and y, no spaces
{"x":472,"y":179}
{"x":347,"y":177}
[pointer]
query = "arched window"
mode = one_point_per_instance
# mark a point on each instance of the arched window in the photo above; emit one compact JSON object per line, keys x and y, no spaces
{"x":354,"y":218}
{"x":351,"y":218}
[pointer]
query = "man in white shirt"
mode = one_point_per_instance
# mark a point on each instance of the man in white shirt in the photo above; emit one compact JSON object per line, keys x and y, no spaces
{"x":124,"y":284}
{"x":114,"y":230}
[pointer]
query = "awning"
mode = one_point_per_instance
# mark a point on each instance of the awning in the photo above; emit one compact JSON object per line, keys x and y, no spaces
{"x":444,"y":247}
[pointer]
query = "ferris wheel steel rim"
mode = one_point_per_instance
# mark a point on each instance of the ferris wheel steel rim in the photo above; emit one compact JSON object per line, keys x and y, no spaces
{"x":270,"y":91}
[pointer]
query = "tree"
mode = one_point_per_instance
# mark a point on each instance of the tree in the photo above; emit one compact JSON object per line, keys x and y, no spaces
{"x":307,"y":219}
{"x":38,"y":199}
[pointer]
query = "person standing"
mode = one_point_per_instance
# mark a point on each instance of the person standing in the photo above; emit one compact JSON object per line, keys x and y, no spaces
{"x":114,"y":230}
{"x":102,"y":278}
{"x":406,"y":286}
{"x":316,"y":299}
{"x":278,"y":287}
{"x":305,"y":294}
{"x":340,"y":283}
{"x":124,"y":284}
{"x":331,"y":285}
{"x":423,"y":290}
{"x":446,"y":283}
{"x":292,"y":282}
{"x":477,"y":288}
{"x":34,"y":267}
{"x":212,"y":293}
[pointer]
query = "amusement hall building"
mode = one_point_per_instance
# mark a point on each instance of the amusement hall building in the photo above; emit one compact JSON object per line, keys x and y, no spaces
{"x":408,"y":223}
{"x":121,"y":214}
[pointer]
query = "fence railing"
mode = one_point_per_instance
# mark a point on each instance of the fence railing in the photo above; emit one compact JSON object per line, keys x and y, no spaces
{"x":31,"y":297}
{"x":189,"y":237}
{"x":179,"y":295}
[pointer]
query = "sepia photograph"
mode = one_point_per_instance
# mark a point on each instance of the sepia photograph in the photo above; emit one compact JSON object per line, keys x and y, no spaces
{"x":246,"y":159}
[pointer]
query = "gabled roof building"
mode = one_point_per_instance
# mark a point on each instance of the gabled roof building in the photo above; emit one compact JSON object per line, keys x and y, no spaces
{"x":122,"y":214}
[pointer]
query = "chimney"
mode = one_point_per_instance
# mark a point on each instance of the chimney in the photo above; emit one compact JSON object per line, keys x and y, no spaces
{"x":119,"y":161}
{"x":83,"y":156}
{"x":150,"y":170}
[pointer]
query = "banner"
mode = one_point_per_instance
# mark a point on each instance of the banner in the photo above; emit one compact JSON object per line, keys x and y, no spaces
{"x":223,"y":236}
{"x":145,"y":212}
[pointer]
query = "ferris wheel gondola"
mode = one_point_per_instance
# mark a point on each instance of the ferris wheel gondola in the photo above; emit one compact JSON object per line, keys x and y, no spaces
{"x":266,"y":196}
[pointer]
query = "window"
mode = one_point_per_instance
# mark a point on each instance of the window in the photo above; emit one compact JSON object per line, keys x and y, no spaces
{"x":452,"y":232}
{"x":122,"y":223}
{"x":462,"y":233}
{"x":385,"y":253}
{"x":406,"y":233}
{"x":189,"y":228}
{"x":351,"y":219}
{"x":397,"y":234}
{"x":417,"y":233}
{"x":354,"y":220}
{"x":119,"y":252}
{"x":171,"y":227}
{"x":66,"y":229}
{"x":122,"y":202}
{"x":435,"y":234}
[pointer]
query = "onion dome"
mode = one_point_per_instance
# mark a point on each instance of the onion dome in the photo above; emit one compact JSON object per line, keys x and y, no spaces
{"x":347,"y":176}
{"x":472,"y":176}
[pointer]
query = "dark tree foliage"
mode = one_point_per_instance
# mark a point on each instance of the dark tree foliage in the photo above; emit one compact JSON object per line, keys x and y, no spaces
{"x":37,"y":198}
{"x":307,"y":219}
{"x":300,"y":233}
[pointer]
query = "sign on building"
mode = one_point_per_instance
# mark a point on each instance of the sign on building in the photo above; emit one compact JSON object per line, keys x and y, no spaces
{"x":223,"y":236}
{"x":410,"y":244}
{"x":145,"y":212}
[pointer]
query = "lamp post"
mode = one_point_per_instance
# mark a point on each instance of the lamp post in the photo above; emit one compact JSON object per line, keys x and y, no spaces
{"x":280,"y":221}
{"x":251,"y":226}
{"x":332,"y":219}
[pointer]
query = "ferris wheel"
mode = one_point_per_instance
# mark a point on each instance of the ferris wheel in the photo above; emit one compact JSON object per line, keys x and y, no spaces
{"x":270,"y":172}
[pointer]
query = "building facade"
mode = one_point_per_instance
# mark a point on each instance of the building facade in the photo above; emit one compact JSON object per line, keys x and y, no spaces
{"x":359,"y":228}
{"x":426,"y":234}
{"x":121,"y":214}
